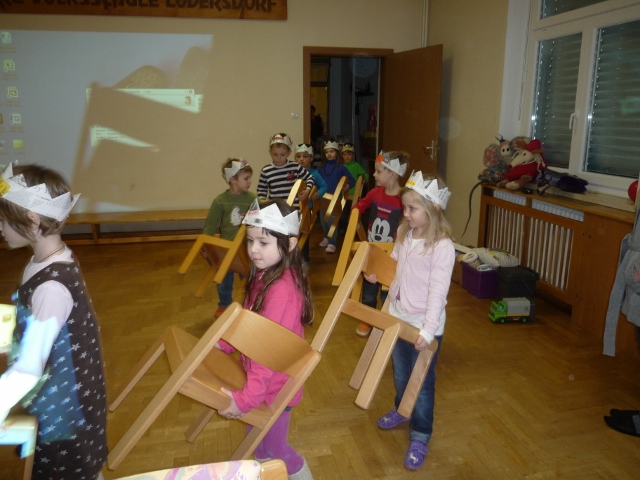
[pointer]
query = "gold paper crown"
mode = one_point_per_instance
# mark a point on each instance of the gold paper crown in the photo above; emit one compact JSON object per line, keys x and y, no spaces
{"x":428,"y":189}
{"x":348,"y":147}
{"x":392,"y":164}
{"x":236,"y":166}
{"x":36,"y":199}
{"x":332,"y":144}
{"x":271,"y":219}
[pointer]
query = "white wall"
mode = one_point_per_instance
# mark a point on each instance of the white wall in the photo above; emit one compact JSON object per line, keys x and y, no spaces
{"x":254,"y":84}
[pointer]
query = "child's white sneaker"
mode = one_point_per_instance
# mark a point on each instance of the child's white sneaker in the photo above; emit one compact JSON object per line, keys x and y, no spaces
{"x":331,"y":249}
{"x":324,"y":242}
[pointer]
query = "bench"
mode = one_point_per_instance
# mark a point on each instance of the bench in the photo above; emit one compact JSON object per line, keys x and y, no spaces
{"x":158,"y":217}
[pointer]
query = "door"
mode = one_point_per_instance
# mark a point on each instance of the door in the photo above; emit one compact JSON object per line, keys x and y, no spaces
{"x":410,"y":115}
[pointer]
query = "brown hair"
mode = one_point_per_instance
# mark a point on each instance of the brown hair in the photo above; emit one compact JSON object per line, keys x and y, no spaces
{"x":289,"y":259}
{"x":16,"y":215}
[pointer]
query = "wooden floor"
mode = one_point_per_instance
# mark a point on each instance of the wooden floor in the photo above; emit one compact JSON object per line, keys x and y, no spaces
{"x":513,"y":400}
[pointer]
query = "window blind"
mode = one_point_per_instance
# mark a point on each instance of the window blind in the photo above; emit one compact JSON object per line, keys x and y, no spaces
{"x":613,"y":144}
{"x":555,"y":96}
{"x":554,"y":7}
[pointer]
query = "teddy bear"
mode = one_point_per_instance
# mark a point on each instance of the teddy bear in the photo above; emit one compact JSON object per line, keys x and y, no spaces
{"x":526,"y":164}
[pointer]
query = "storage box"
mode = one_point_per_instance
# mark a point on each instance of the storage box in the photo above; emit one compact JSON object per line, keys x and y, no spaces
{"x":517,"y":282}
{"x":456,"y":275}
{"x":482,"y":284}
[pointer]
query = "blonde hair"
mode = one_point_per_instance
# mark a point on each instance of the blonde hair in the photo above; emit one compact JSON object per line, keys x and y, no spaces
{"x":438,"y":228}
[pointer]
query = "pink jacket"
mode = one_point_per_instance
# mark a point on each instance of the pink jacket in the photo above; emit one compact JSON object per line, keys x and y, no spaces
{"x":422,"y":279}
{"x":283,"y":305}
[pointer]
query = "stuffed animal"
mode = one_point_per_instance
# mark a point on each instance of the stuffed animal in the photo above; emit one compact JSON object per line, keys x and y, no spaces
{"x":525,"y":165}
{"x":495,"y":159}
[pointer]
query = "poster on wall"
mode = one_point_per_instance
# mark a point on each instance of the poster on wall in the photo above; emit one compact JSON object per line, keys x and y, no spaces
{"x":236,"y":9}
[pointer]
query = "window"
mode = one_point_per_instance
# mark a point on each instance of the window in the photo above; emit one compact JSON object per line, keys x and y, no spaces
{"x":583,"y":88}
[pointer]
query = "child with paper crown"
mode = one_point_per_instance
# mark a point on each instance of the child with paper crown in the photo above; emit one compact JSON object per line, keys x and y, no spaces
{"x":55,"y":366}
{"x":418,"y":295}
{"x":332,"y":172}
{"x":348,"y":154}
{"x":385,"y":212}
{"x":278,"y":289}
{"x":304,"y":156}
{"x":226,"y":214}
{"x":277,"y":179}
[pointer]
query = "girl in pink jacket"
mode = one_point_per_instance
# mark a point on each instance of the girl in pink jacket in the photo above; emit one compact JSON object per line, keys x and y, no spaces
{"x":425,"y":255}
{"x":278,"y":289}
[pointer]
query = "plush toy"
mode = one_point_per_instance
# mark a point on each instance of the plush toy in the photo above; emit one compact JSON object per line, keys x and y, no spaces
{"x":525,"y":165}
{"x":495,"y":159}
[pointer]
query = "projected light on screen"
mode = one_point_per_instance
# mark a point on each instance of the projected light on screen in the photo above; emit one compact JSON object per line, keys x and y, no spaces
{"x":93,"y":103}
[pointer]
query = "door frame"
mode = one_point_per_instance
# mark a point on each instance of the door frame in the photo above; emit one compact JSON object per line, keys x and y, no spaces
{"x":308,"y":52}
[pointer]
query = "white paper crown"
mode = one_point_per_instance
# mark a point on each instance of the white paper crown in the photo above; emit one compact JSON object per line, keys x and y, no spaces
{"x":36,"y":199}
{"x":281,"y":138}
{"x":304,"y":148}
{"x":428,"y":189}
{"x":236,"y":166}
{"x":271,"y":218}
{"x":332,"y":144}
{"x":392,"y":164}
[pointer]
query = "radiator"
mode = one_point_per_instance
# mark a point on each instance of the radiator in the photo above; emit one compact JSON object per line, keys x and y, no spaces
{"x":540,"y":234}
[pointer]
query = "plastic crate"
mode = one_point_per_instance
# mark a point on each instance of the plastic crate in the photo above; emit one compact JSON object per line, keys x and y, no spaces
{"x":482,"y":284}
{"x":517,"y":282}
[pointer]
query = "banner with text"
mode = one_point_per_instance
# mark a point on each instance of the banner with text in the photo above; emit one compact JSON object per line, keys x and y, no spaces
{"x":239,"y":9}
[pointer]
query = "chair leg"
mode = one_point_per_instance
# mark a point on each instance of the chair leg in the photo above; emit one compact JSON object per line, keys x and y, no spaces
{"x":378,"y":364}
{"x":193,"y":253}
{"x":365,"y":358}
{"x":206,"y":281}
{"x":411,"y":392}
{"x":251,"y":442}
{"x":199,"y":423}
{"x":139,"y":370}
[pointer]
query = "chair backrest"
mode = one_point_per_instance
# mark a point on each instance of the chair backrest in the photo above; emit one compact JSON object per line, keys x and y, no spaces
{"x":357,"y":191}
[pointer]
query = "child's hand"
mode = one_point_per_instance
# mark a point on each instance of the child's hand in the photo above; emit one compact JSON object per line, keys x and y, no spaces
{"x":303,"y":195}
{"x":373,"y":278}
{"x":315,"y":197}
{"x":232,"y":411}
{"x":421,"y":344}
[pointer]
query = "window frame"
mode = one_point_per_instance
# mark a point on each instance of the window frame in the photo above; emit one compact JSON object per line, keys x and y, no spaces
{"x":586,"y":20}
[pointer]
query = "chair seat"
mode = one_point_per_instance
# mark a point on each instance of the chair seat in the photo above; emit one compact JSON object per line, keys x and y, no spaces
{"x":204,"y":385}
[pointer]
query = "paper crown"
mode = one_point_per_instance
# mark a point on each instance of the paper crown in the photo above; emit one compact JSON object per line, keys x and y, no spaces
{"x":271,"y":219}
{"x":348,"y":147}
{"x":392,"y":164}
{"x":332,"y":144}
{"x":36,"y":199}
{"x":428,"y":189}
{"x":304,"y":148}
{"x":282,"y":138}
{"x":236,"y":166}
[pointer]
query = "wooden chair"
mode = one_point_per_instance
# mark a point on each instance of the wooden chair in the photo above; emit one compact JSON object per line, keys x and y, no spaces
{"x":308,"y":216}
{"x":225,"y":255}
{"x":370,"y":258}
{"x":332,"y":204}
{"x":353,"y":236}
{"x":200,"y":371}
{"x":357,"y":191}
{"x":22,"y":430}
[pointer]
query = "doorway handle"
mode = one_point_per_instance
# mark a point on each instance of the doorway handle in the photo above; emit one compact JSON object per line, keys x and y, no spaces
{"x":432,"y":152}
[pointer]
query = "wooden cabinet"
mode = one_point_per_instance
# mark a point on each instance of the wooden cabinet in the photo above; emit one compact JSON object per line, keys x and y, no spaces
{"x":573,"y":245}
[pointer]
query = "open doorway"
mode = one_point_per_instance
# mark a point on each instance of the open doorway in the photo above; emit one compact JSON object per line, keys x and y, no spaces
{"x":343,"y":85}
